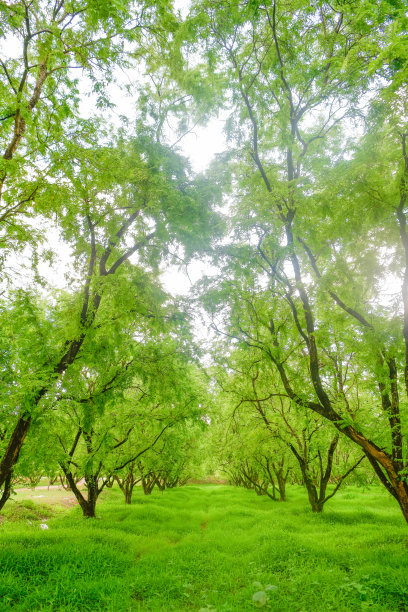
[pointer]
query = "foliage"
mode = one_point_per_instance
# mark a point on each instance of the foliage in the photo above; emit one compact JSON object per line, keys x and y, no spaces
{"x":57,"y":51}
{"x":301,"y":274}
{"x":309,"y":367}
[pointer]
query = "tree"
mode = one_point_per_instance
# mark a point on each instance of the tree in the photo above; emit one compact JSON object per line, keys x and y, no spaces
{"x":267,"y":424}
{"x":302,"y":247}
{"x":180,"y":454}
{"x":130,"y":201}
{"x":110,"y":428}
{"x":53,"y":45}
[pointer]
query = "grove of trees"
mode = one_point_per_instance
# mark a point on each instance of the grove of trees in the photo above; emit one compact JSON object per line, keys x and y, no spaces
{"x":298,"y":371}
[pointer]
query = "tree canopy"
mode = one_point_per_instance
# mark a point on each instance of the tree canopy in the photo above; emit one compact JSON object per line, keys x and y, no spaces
{"x":304,"y":373}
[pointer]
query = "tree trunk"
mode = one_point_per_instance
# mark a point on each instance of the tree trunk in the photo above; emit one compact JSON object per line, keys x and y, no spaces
{"x":87,"y":505}
{"x":162,"y":483}
{"x":391,"y":480}
{"x":148,"y":485}
{"x":128,"y":489}
{"x":12,"y":451}
{"x":314,"y":500}
{"x":93,"y":493}
{"x":128,"y":483}
{"x":281,"y":485}
{"x":6,"y":491}
{"x":128,"y":495}
{"x":73,"y":347}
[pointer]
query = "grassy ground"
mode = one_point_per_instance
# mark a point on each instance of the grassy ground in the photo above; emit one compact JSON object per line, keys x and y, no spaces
{"x":54,"y":496}
{"x":205,"y":548}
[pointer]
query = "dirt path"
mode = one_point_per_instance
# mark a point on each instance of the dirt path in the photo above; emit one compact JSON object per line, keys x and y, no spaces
{"x":49,"y":487}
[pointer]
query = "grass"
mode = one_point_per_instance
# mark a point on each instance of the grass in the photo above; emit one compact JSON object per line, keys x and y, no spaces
{"x":207,"y":548}
{"x":52,"y":497}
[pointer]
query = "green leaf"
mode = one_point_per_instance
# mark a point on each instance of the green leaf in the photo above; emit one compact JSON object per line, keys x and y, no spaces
{"x":260,"y":598}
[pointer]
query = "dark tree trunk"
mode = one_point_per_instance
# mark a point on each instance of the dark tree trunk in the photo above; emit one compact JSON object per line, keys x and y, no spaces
{"x":128,"y":495}
{"x":88,"y":508}
{"x":12,"y":451}
{"x":93,"y":493}
{"x":148,"y":480}
{"x":128,"y":483}
{"x":315,"y":503}
{"x":316,"y":498}
{"x":6,"y":491}
{"x":162,"y":483}
{"x":281,"y":478}
{"x":271,"y":479}
{"x":148,"y":484}
{"x":87,"y":505}
{"x":128,"y":488}
{"x":91,"y":301}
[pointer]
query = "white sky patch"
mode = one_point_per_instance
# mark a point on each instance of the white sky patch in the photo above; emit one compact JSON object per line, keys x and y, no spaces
{"x":178,"y":280}
{"x":201,"y":145}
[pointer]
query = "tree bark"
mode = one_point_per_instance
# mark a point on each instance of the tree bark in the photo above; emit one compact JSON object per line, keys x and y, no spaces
{"x":87,"y":505}
{"x":6,"y":491}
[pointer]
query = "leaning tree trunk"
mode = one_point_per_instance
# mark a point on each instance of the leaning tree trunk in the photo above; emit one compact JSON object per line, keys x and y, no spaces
{"x":87,"y":505}
{"x":90,"y":305}
{"x":6,"y":491}
{"x":11,"y":455}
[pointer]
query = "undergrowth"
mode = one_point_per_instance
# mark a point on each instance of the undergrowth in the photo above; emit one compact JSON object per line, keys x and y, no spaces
{"x":207,"y":548}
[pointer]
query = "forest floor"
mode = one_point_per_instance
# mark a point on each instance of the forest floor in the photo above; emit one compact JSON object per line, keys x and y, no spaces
{"x":54,"y":495}
{"x":204,"y":548}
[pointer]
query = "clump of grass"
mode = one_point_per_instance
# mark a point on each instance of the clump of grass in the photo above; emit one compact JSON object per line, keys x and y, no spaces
{"x":26,"y":510}
{"x":213,"y":548}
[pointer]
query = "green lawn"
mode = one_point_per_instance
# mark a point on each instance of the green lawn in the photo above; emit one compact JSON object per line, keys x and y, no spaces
{"x":207,"y":548}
